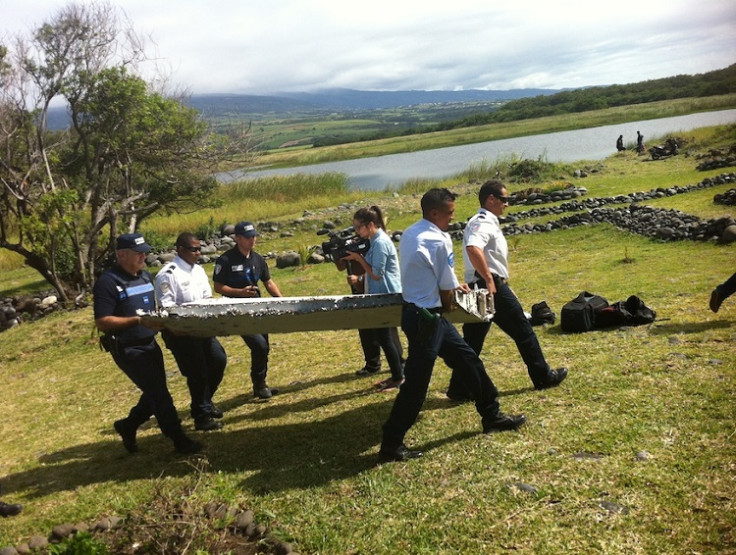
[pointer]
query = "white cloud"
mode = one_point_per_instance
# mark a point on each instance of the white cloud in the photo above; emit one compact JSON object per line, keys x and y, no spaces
{"x":264,"y":46}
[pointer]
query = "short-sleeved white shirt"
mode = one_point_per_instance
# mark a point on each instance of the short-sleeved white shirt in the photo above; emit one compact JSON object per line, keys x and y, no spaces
{"x":427,"y":264}
{"x":483,"y":231}
{"x":179,"y":282}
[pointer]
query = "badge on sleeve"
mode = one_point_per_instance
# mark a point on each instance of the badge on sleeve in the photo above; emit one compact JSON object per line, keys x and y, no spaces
{"x":451,"y":260}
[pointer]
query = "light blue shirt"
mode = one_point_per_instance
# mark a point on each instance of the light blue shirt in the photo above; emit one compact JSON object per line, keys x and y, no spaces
{"x":384,"y":262}
{"x":427,"y":264}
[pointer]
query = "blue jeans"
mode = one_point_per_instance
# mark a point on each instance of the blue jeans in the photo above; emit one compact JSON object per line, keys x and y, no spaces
{"x":510,"y":318}
{"x":445,"y":342}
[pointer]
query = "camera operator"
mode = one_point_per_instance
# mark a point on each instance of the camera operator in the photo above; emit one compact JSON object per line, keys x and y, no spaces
{"x":381,"y":275}
{"x":368,"y":340}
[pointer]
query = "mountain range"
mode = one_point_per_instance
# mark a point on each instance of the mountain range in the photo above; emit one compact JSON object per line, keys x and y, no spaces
{"x":350,"y":99}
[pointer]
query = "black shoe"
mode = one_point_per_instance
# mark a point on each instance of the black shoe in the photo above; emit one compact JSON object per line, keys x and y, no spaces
{"x":367,"y":371}
{"x":265,"y":392}
{"x":206,"y":424}
{"x":503,"y":422}
{"x":458,"y":398}
{"x":6,"y":509}
{"x":127,"y":433}
{"x":557,"y":378}
{"x":186,"y":446}
{"x":215,"y":412}
{"x":398,"y":454}
{"x":715,"y":300}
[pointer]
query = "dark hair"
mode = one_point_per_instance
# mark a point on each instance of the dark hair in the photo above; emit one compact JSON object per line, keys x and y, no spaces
{"x":491,"y":187}
{"x":372,"y":214}
{"x":435,"y":199}
{"x":185,"y":239}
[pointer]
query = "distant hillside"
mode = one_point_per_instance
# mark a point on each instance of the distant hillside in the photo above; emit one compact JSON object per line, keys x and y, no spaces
{"x":337,"y":100}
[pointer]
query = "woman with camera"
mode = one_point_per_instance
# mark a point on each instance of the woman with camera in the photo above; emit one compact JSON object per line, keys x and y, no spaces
{"x":381,"y":265}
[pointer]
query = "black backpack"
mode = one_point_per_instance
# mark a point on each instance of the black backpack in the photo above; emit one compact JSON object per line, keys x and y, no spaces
{"x":579,"y":314}
{"x":542,"y":314}
{"x":631,"y":312}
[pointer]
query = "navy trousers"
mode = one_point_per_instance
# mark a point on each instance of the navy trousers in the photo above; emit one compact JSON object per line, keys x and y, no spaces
{"x":259,"y":349}
{"x":144,"y":365}
{"x":445,"y":342}
{"x":510,"y":318}
{"x":202,"y":362}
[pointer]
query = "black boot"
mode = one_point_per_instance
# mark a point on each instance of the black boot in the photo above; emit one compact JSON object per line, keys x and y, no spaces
{"x":127,"y":431}
{"x":9,"y":510}
{"x":184,"y":445}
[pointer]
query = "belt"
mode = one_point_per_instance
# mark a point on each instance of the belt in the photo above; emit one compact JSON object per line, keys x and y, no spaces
{"x":499,"y":279}
{"x":437,"y":310}
{"x":136,"y":342}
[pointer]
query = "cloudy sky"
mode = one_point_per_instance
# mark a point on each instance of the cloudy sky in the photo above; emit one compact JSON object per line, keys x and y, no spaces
{"x":262,"y":46}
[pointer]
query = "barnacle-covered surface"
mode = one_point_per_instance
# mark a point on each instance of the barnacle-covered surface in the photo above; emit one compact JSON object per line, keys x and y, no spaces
{"x":228,"y":316}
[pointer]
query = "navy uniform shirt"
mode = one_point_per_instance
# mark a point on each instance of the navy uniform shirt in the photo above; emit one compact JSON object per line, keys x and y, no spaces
{"x":235,"y":270}
{"x":117,"y":293}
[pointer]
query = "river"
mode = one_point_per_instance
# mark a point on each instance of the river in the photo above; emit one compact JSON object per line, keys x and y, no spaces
{"x":596,"y":143}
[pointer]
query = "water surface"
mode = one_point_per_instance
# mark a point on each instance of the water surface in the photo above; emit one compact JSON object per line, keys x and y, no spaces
{"x":596,"y":143}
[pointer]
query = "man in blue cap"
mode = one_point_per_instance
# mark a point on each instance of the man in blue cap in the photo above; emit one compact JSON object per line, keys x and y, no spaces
{"x":120,"y":293}
{"x":237,"y":273}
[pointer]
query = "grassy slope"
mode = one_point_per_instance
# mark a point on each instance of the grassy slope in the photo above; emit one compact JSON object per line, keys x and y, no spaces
{"x":306,"y":460}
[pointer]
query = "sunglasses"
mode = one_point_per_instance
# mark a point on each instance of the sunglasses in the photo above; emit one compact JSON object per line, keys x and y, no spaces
{"x":192,"y":249}
{"x":502,"y":199}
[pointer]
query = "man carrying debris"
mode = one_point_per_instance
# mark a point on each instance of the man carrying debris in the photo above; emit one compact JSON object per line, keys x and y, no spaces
{"x":486,"y":257}
{"x":237,"y":273}
{"x":428,"y":285}
{"x":201,"y":360}
{"x":119,"y":293}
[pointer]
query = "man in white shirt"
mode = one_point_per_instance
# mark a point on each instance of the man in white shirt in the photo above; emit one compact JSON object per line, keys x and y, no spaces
{"x":486,"y":257}
{"x":428,"y":284}
{"x":201,"y":360}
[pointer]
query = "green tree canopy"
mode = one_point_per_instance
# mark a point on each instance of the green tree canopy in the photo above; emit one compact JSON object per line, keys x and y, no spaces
{"x":129,"y":151}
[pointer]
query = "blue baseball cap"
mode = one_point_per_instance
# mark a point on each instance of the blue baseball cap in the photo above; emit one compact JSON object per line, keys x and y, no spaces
{"x":133,"y":241}
{"x":246,"y":229}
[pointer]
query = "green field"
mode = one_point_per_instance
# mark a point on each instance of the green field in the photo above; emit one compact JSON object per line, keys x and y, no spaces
{"x":634,"y":453}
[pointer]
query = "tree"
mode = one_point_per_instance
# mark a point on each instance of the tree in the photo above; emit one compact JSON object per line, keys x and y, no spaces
{"x":128,"y":152}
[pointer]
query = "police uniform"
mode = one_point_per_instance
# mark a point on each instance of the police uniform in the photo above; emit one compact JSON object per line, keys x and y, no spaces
{"x":201,"y":360}
{"x":427,"y":267}
{"x":484,"y":232}
{"x":235,"y":270}
{"x":134,"y":349}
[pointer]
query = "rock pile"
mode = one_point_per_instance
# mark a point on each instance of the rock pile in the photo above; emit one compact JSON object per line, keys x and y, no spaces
{"x":718,"y":158}
{"x":598,"y":202}
{"x":14,"y":310}
{"x":657,"y":223}
{"x":728,"y":198}
{"x":239,"y":523}
{"x":537,"y":196}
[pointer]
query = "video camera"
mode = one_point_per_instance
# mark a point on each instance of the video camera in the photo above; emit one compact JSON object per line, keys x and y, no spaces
{"x":342,"y":242}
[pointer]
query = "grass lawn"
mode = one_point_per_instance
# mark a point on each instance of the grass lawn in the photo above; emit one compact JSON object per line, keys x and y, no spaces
{"x":634,"y":453}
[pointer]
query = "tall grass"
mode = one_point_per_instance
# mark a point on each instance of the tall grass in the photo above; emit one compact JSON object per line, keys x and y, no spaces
{"x":255,"y":200}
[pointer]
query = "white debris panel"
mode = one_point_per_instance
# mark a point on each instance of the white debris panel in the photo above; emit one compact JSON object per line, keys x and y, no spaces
{"x":223,"y":316}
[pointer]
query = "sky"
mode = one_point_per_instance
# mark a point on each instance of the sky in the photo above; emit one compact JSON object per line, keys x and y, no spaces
{"x":267,"y":46}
